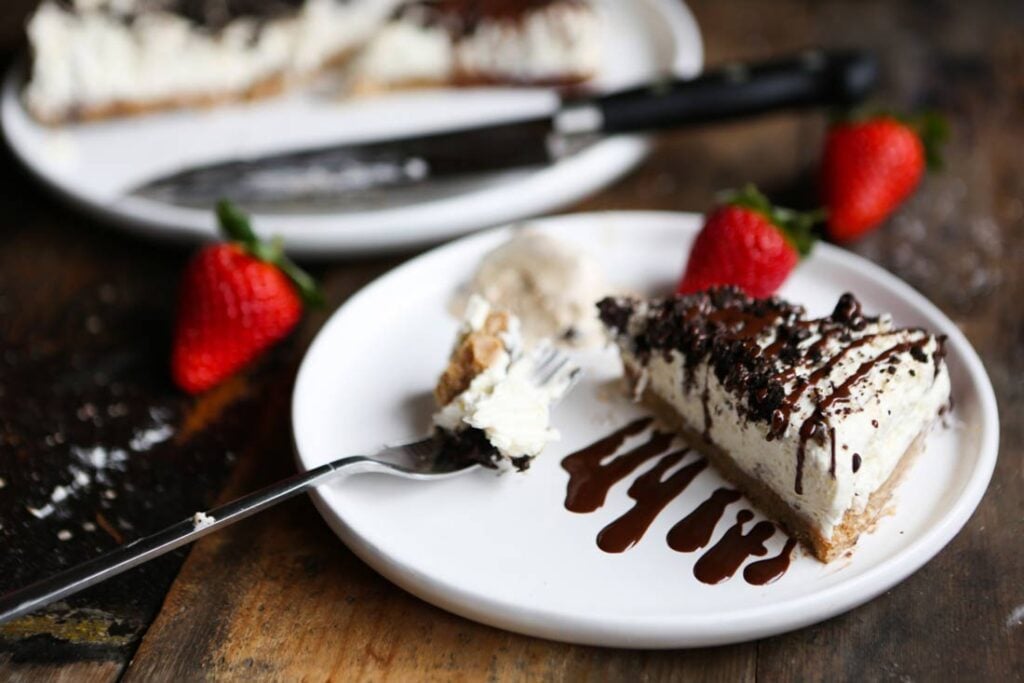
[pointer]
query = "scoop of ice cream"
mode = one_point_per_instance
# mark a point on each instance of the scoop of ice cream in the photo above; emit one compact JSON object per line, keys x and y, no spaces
{"x":549,"y":285}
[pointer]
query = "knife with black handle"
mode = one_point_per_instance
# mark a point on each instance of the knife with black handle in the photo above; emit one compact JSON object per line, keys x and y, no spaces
{"x":810,"y":79}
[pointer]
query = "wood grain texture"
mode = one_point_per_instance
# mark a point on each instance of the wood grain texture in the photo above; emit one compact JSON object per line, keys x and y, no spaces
{"x":279,"y":598}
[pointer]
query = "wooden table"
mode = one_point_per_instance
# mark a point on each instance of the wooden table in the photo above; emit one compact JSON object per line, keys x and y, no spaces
{"x":85,"y":319}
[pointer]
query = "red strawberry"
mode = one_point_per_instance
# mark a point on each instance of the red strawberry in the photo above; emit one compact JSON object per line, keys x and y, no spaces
{"x":870,"y":166}
{"x":749,"y":243}
{"x":235,"y":300}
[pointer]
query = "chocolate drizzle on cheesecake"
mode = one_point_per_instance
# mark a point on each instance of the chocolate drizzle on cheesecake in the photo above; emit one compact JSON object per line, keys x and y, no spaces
{"x":813,"y":425}
{"x":723,"y":326}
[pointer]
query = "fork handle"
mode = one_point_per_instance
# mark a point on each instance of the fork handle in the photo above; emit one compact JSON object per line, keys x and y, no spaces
{"x":70,"y":581}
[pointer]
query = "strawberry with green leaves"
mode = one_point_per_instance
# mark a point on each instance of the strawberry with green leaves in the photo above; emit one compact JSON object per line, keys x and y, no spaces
{"x":871,"y":165}
{"x":749,"y":243}
{"x":236,"y":299}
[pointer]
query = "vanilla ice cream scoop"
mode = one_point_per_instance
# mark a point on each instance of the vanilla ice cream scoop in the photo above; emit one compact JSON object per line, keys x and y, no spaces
{"x":549,"y":285}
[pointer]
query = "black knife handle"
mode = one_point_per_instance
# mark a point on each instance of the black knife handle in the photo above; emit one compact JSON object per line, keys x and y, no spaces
{"x":810,"y":79}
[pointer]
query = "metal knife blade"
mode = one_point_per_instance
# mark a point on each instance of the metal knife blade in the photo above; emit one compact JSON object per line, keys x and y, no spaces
{"x":386,"y":173}
{"x":358,"y":171}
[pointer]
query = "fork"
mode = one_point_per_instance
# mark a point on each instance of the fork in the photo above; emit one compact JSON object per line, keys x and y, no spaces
{"x":418,"y":460}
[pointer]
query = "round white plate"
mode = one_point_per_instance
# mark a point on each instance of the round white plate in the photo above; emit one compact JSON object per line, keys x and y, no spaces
{"x":96,"y":164}
{"x":504,"y":551}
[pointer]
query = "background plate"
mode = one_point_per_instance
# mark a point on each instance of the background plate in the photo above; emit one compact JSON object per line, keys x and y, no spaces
{"x":504,"y":551}
{"x":95,"y":164}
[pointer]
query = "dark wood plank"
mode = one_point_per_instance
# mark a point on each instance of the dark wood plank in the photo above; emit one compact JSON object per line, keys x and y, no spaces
{"x":93,"y":437}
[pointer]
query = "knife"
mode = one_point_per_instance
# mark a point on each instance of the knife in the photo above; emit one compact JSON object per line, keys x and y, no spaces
{"x":809,"y":79}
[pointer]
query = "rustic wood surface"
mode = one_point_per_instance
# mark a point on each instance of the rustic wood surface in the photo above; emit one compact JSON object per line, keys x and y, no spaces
{"x":84,"y":332}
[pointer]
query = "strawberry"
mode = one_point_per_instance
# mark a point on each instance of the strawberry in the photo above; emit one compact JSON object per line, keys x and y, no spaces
{"x":236,"y":299}
{"x":749,"y":243}
{"x":872,"y":165}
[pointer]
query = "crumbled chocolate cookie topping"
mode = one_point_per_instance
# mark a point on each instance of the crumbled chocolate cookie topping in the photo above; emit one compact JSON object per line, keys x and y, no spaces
{"x":462,"y":17}
{"x":467,"y":446}
{"x":212,"y":15}
{"x":722,"y":326}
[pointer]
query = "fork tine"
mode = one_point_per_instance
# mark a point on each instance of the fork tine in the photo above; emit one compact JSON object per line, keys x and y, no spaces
{"x":547,"y":355}
{"x":553,"y":371}
{"x":550,"y":362}
{"x":543,"y":359}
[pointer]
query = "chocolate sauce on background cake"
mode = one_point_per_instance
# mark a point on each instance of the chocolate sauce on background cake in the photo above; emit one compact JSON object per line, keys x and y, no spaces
{"x":461,"y":18}
{"x":212,"y":15}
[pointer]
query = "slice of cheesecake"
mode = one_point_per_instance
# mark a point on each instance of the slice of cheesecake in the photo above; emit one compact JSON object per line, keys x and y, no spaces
{"x":483,"y":42}
{"x":814,"y":419}
{"x":99,"y":58}
{"x":490,"y":407}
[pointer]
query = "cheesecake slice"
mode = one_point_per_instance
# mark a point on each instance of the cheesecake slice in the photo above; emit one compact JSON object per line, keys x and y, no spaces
{"x":490,"y":407}
{"x":814,"y":419}
{"x":483,"y":42}
{"x":93,"y":59}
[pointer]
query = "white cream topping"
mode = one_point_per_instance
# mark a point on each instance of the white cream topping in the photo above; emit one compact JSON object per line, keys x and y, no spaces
{"x":407,"y":53}
{"x":551,"y":43}
{"x":503,"y":401}
{"x":551,"y":287}
{"x":92,"y":58}
{"x":901,"y":404}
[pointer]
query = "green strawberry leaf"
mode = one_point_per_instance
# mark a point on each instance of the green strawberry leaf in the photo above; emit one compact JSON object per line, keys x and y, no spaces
{"x":236,"y":225}
{"x":933,"y":129}
{"x":796,"y":226}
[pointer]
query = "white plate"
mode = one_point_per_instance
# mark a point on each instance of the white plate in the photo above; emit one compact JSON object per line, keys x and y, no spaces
{"x":504,"y":551}
{"x":95,"y":164}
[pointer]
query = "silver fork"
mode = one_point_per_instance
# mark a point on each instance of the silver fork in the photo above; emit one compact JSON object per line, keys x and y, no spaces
{"x":418,"y":460}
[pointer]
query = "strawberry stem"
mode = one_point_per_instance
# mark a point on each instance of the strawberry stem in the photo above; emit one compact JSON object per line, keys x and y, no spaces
{"x":236,"y":225}
{"x":933,"y":129}
{"x":797,"y":226}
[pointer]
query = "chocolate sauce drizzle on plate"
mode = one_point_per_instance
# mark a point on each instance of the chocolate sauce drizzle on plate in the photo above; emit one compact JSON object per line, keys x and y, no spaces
{"x":725,"y":557}
{"x":652,"y":493}
{"x":767,"y":571}
{"x":593,"y":471}
{"x":694,"y":531}
{"x":590,"y":477}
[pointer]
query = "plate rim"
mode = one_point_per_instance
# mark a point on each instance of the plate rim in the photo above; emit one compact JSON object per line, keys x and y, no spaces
{"x":688,"y":630}
{"x":314,"y":236}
